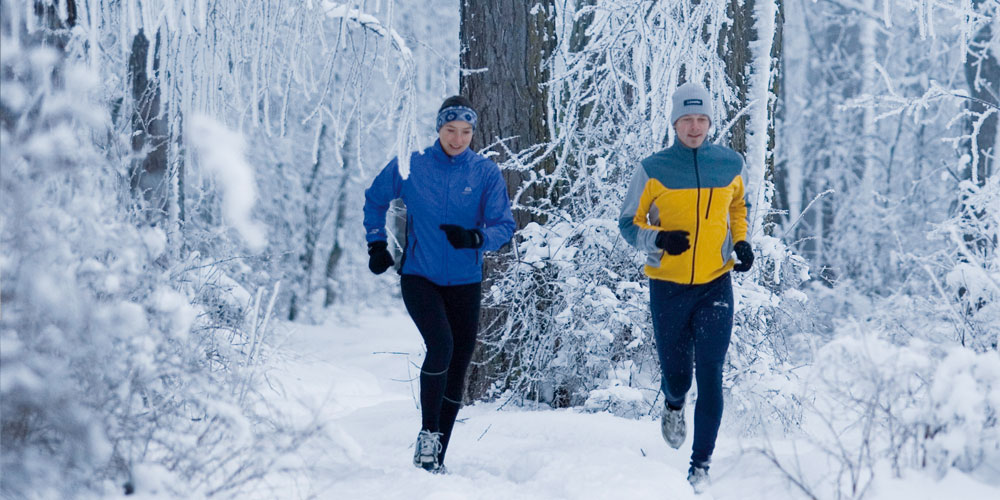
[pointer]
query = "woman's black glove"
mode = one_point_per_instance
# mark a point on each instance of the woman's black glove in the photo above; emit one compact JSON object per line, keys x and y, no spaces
{"x":674,"y":242}
{"x":460,"y":237}
{"x":379,"y":258}
{"x":745,"y":255}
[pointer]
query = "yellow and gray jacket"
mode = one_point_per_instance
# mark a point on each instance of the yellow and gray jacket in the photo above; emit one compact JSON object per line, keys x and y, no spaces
{"x":695,"y":190}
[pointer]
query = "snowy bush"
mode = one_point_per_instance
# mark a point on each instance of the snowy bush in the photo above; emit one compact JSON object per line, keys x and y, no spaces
{"x":869,"y":401}
{"x":771,"y":337}
{"x":971,"y":265}
{"x":120,"y":370}
{"x":579,"y":325}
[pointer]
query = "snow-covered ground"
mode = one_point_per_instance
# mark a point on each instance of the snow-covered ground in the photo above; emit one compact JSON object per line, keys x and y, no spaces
{"x":357,"y":375}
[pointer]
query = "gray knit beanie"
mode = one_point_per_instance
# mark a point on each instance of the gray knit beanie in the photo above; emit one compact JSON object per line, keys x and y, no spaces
{"x":691,"y":99}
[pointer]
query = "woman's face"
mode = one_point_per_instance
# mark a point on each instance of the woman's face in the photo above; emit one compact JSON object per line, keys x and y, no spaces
{"x":455,"y":137}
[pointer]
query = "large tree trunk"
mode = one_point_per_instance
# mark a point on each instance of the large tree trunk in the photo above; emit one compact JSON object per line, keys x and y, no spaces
{"x":505,"y":48}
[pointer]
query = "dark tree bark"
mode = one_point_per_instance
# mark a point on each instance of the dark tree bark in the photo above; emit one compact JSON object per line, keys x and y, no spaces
{"x":350,"y":161}
{"x":506,"y":45}
{"x":49,"y":14}
{"x":314,"y":222}
{"x":982,"y":73}
{"x":735,"y":50}
{"x":150,"y":136}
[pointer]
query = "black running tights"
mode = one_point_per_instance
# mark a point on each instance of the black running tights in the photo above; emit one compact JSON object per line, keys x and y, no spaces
{"x":448,"y":320}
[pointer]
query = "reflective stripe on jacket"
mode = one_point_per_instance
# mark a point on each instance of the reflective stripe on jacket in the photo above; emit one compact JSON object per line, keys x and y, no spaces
{"x":466,"y":190}
{"x":700,"y":191}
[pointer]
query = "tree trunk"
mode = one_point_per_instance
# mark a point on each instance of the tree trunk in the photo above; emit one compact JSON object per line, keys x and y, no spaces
{"x":314,"y":222}
{"x":56,"y":30}
{"x":982,"y":73}
{"x":736,"y":51}
{"x":350,"y":161}
{"x":149,"y":127}
{"x":506,"y":45}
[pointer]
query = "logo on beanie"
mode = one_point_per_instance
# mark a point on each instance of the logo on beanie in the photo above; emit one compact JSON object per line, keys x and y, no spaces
{"x":693,"y":102}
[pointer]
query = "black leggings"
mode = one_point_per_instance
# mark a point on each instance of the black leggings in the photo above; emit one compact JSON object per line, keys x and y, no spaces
{"x":448,"y":320}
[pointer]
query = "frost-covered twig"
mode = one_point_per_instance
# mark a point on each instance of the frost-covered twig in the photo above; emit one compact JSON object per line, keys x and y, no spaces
{"x":404,"y":88}
{"x":789,"y":227}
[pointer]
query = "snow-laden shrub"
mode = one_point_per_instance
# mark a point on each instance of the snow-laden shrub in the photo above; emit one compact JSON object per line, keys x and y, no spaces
{"x":115,"y":371}
{"x":964,"y":409}
{"x":874,"y":400}
{"x":915,"y":404}
{"x":971,"y":266}
{"x":581,"y":321}
{"x":771,"y":337}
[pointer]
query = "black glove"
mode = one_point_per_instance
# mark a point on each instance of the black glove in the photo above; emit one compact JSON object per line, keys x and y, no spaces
{"x":379,"y":258}
{"x":674,"y":242}
{"x":460,"y":237}
{"x":745,"y":254}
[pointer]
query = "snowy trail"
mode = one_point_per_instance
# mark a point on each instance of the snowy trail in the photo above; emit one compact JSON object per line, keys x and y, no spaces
{"x":355,"y":375}
{"x":358,"y":376}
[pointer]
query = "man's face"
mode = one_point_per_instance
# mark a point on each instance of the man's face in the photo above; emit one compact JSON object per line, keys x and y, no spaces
{"x":455,"y":137}
{"x":692,"y":129}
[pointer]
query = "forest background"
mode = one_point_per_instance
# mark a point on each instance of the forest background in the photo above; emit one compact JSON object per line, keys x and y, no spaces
{"x":179,"y":178}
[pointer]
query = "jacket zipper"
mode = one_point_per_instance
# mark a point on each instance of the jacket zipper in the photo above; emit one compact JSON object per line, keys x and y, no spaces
{"x":709,"y":207}
{"x":697,"y":220}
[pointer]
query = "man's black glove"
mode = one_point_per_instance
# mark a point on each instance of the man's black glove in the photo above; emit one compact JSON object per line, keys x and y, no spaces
{"x":745,"y":255}
{"x":379,"y":258}
{"x":674,"y":242}
{"x":460,"y":237}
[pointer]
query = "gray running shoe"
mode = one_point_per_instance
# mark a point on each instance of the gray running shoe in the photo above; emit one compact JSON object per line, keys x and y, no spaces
{"x":428,"y":446}
{"x":672,"y":427}
{"x":698,"y":477}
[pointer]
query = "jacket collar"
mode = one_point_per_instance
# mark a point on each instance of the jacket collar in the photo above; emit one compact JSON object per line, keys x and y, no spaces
{"x":680,"y":147}
{"x":438,"y":152}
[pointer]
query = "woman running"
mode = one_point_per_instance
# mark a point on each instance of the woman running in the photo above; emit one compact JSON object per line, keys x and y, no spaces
{"x":457,"y":208}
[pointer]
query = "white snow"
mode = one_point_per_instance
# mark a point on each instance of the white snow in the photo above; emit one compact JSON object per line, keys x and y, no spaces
{"x":221,"y":152}
{"x":357,"y":374}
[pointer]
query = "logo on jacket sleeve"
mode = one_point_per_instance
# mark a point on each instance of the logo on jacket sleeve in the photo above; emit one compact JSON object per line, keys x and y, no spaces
{"x":467,"y":190}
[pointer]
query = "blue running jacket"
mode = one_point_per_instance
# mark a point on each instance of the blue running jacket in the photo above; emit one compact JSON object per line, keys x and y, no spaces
{"x":466,"y":190}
